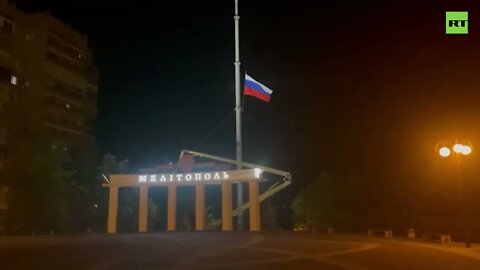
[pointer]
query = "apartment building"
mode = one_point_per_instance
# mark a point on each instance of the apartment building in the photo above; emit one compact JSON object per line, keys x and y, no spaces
{"x":48,"y":82}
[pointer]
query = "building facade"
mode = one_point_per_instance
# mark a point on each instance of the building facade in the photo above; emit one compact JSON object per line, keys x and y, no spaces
{"x":11,"y":21}
{"x":47,"y":68}
{"x":61,"y":66}
{"x":48,"y":82}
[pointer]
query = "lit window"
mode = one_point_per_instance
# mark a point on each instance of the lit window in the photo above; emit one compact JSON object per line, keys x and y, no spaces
{"x":13,"y":80}
{"x":67,"y":106}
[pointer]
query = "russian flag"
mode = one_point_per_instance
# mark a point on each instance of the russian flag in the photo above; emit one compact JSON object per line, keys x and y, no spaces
{"x":256,"y":89}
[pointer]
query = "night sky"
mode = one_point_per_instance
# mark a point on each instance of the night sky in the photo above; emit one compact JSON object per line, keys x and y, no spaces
{"x":362,"y":89}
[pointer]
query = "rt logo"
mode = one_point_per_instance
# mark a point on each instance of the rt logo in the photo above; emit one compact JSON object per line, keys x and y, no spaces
{"x":457,"y":22}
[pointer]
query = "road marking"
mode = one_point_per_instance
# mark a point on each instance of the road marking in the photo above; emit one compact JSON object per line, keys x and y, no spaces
{"x":458,"y":251}
{"x":365,"y":247}
{"x":325,"y":257}
{"x":209,"y":251}
{"x":292,"y":256}
{"x":450,"y":248}
{"x":250,"y":263}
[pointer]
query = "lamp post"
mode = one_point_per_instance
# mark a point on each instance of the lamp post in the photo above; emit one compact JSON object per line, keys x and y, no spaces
{"x":458,"y":151}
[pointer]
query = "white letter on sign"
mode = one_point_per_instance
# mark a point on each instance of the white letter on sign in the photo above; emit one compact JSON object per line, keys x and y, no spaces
{"x":171,"y":178}
{"x":216,"y":176}
{"x":208,"y":176}
{"x":225,"y":175}
{"x":188,"y":177}
{"x":153,"y":178}
{"x":142,"y":178}
{"x":258,"y":172}
{"x":198,"y":176}
{"x":163,"y":178}
{"x":179,"y":177}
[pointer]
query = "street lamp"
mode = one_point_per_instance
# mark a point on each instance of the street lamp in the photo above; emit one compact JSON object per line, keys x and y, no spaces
{"x":444,"y":152}
{"x":466,"y":150}
{"x":457,"y":151}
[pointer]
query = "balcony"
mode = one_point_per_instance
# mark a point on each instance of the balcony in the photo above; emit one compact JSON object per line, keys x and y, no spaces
{"x":62,"y":128}
{"x":65,"y":125}
{"x":66,"y":62}
{"x":66,"y":74}
{"x":92,"y":75}
{"x":61,"y":108}
{"x":6,"y":44}
{"x":66,"y":96}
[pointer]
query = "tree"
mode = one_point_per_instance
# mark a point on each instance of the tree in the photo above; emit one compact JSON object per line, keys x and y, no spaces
{"x":108,"y":165}
{"x":40,"y":185}
{"x":82,"y":200}
{"x":211,"y":221}
{"x":313,"y":205}
{"x":269,"y":216}
{"x":152,"y":213}
{"x":128,"y":201}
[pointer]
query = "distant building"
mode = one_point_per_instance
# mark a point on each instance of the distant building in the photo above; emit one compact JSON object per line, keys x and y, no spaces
{"x":48,"y":82}
{"x":47,"y":68}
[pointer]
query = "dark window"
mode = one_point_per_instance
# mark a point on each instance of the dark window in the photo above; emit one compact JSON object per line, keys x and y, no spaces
{"x":5,"y":74}
{"x":13,"y":95}
{"x":7,"y":26}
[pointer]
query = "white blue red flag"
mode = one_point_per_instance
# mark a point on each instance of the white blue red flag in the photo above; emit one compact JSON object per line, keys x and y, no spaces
{"x":256,"y":89}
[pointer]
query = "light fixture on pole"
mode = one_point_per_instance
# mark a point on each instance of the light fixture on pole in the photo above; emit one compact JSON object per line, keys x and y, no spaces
{"x":458,"y":151}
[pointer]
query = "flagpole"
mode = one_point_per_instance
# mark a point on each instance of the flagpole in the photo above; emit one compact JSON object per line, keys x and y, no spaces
{"x":238,"y":112}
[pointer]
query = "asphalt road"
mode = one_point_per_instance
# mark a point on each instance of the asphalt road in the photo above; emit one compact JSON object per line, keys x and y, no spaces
{"x":230,"y":251}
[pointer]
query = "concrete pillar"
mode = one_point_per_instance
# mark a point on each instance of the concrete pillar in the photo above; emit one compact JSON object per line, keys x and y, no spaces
{"x":112,"y":209}
{"x":199,"y":206}
{"x":226,"y":206}
{"x":254,"y":203}
{"x":143,"y":209}
{"x":172,"y":208}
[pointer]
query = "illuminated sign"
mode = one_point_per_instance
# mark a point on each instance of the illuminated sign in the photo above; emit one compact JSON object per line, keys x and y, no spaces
{"x":214,"y":177}
{"x":206,"y":176}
